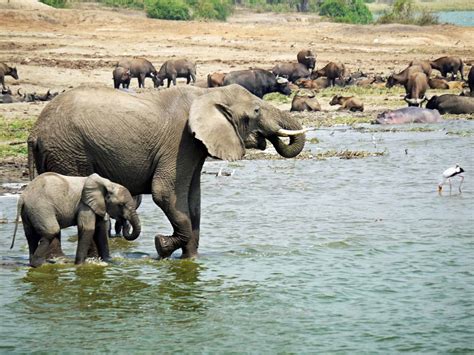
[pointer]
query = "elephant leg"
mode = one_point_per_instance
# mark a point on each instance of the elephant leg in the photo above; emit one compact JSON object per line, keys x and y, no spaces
{"x":191,"y":248}
{"x":32,"y":237}
{"x":174,"y":203}
{"x":100,"y":239}
{"x":41,"y":252}
{"x":86,"y":229}
{"x":193,"y":78}
{"x":188,"y":79}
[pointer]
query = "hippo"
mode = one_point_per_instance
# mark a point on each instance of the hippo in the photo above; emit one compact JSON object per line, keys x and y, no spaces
{"x":409,"y":115}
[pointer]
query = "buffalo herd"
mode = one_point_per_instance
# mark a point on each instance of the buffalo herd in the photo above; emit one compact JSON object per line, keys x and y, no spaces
{"x":301,"y":75}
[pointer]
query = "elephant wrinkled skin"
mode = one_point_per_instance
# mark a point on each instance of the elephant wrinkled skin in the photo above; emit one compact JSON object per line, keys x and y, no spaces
{"x":157,"y":142}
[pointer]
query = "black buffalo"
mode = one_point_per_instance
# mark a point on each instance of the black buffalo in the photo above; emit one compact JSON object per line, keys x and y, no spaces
{"x":258,"y":81}
{"x":449,"y":103}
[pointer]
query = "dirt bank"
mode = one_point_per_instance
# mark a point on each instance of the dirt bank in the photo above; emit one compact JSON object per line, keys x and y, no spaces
{"x":60,"y":49}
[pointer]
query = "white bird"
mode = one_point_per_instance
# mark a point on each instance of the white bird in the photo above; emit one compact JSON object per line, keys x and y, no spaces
{"x":450,"y":173}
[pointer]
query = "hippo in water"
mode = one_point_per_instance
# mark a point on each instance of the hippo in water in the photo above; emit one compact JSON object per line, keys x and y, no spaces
{"x":409,"y":115}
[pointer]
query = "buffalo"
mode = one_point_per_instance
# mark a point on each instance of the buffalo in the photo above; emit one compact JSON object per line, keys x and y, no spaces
{"x":6,"y":70}
{"x":415,"y":88}
{"x":449,"y":103}
{"x":177,"y":68}
{"x":291,"y":71}
{"x":258,"y":81}
{"x":307,"y":58}
{"x":140,"y":68}
{"x":305,"y":100}
{"x":332,"y":71}
{"x":447,"y":65}
{"x":350,"y":103}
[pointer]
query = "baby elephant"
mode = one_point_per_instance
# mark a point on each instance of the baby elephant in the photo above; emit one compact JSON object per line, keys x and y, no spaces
{"x":52,"y":202}
{"x":305,"y":100}
{"x":350,"y":103}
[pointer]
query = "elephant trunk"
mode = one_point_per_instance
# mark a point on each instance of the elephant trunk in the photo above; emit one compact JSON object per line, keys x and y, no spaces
{"x":135,"y":222}
{"x":288,"y":127}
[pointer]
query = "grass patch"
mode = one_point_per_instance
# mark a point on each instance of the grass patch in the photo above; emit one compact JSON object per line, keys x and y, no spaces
{"x":278,"y":98}
{"x":13,"y":135}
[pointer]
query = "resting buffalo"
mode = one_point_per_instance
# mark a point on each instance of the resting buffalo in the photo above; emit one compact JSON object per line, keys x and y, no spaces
{"x":415,"y":88}
{"x":215,"y":79}
{"x":291,"y":71}
{"x":332,"y":71}
{"x":350,"y":103}
{"x":438,"y":83}
{"x":305,"y":100}
{"x":177,"y":68}
{"x":408,"y":115}
{"x":307,"y":58}
{"x":6,"y":70}
{"x":447,"y":65}
{"x":449,"y":103}
{"x":258,"y":81}
{"x":140,"y":68}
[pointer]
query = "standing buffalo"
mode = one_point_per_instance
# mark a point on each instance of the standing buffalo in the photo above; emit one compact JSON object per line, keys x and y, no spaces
{"x":307,"y":58}
{"x":122,"y":77}
{"x":415,"y":89}
{"x":177,"y":68}
{"x":6,"y":70}
{"x":215,"y":79}
{"x":424,"y":64}
{"x":447,"y":65}
{"x":140,"y":68}
{"x":332,"y":71}
{"x":258,"y":81}
{"x":291,"y":71}
{"x":402,"y":77}
{"x":449,"y":103}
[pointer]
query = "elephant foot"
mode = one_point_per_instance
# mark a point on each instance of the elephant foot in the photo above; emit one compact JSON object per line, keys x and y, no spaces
{"x":188,"y":255}
{"x":164,"y":246}
{"x":55,"y":250}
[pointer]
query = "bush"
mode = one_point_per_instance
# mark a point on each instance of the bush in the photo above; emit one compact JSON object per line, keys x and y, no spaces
{"x":349,"y":11}
{"x":406,"y":12}
{"x":167,"y":9}
{"x":55,"y":3}
{"x":211,"y":9}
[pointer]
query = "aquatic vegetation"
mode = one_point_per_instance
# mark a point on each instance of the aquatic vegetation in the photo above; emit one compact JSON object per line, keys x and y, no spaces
{"x":323,"y":155}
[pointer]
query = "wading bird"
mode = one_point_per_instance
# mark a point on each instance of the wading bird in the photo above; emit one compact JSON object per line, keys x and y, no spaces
{"x":448,"y":174}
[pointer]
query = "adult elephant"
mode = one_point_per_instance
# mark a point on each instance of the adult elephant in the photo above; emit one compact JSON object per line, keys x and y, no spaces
{"x":157,"y":142}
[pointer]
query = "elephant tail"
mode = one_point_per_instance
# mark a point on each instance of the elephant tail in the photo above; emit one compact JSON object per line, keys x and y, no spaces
{"x":19,"y":209}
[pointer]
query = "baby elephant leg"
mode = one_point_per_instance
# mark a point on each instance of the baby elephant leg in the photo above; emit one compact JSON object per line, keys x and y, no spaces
{"x":42,"y":251}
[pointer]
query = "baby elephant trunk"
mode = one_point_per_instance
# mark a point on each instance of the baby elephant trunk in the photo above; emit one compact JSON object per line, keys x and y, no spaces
{"x":136,"y":226}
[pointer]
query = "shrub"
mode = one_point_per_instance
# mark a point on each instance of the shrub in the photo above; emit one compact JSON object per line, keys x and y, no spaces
{"x":406,"y":12}
{"x":55,"y":3}
{"x":349,"y":11}
{"x":167,"y":9}
{"x":211,"y":9}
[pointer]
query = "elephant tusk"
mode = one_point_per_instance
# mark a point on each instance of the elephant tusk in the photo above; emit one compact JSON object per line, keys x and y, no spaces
{"x":288,"y":133}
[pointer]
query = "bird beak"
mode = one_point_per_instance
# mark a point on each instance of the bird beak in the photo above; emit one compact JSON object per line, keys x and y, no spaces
{"x":440,"y":188}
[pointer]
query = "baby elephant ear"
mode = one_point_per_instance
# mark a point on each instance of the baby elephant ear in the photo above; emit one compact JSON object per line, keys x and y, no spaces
{"x":93,"y":193}
{"x":211,"y":121}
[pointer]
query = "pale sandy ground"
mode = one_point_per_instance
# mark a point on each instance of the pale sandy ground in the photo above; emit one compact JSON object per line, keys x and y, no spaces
{"x":60,"y":49}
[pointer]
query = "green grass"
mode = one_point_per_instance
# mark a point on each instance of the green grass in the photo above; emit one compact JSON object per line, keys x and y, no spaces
{"x":13,"y":135}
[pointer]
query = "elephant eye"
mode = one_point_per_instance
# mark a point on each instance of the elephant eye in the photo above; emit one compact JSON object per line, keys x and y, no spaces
{"x":256,"y":111}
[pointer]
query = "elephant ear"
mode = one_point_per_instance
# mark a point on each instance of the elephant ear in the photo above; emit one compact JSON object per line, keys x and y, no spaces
{"x":93,"y":193}
{"x":211,"y":121}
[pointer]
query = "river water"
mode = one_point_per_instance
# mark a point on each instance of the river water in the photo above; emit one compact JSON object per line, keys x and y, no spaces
{"x":460,"y":18}
{"x":350,"y":256}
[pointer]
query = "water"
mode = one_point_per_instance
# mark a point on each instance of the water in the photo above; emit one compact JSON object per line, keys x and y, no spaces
{"x":460,"y":18}
{"x":349,"y":256}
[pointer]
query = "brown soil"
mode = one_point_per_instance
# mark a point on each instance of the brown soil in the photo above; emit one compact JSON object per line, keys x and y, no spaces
{"x":59,"y":49}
